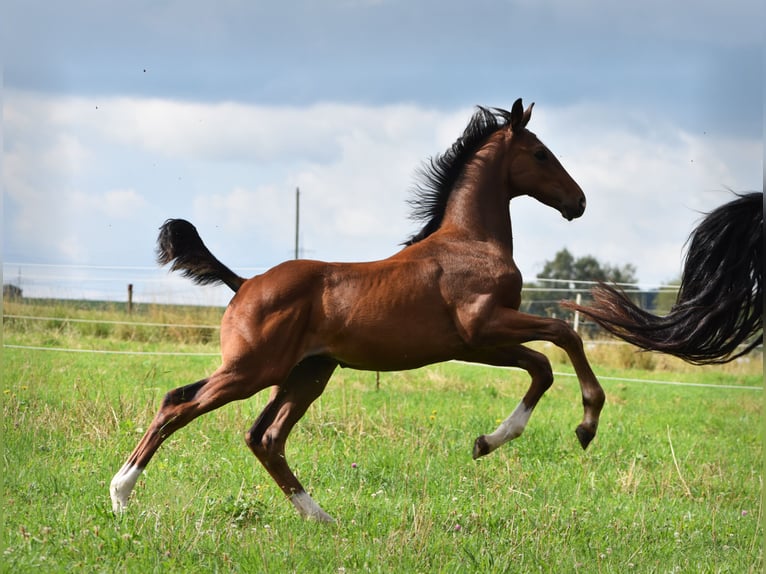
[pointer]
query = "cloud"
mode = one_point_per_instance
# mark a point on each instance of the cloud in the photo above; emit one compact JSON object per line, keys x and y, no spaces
{"x":685,"y":21}
{"x":112,"y":204}
{"x":100,"y":174}
{"x":230,"y":131}
{"x":355,"y":198}
{"x":648,"y":182}
{"x":241,"y":210}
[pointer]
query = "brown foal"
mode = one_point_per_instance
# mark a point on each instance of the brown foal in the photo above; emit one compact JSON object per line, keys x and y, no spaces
{"x":452,"y":292}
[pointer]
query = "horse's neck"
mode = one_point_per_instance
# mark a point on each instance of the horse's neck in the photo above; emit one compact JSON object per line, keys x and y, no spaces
{"x":480,"y":207}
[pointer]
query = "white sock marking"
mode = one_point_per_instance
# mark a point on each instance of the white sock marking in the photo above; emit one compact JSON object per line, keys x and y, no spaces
{"x":122,"y":485}
{"x":308,"y":508}
{"x":510,"y":428}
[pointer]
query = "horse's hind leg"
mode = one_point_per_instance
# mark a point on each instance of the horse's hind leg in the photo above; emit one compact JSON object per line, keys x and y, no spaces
{"x":539,"y":368}
{"x":268,"y":435}
{"x":179,"y":407}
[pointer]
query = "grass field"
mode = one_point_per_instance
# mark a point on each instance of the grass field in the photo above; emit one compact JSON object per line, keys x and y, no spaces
{"x":672,"y":483}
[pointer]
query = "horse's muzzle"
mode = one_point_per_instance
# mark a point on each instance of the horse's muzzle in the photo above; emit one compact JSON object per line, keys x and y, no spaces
{"x":571,"y":213}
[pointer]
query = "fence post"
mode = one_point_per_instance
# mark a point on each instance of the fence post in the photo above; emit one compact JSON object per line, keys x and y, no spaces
{"x":130,"y":298}
{"x":576,"y":325}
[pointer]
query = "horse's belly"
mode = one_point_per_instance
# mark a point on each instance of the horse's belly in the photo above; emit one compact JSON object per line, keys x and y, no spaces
{"x":396,"y":345}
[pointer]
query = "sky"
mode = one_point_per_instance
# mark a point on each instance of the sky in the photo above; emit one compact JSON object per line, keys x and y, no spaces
{"x":117,"y":116}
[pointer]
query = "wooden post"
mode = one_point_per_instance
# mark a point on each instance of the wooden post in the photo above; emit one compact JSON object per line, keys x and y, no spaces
{"x":130,"y":298}
{"x":576,"y":325}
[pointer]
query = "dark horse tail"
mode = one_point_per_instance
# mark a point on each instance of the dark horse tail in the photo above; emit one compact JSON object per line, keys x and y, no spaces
{"x":720,"y":301}
{"x":180,"y":244}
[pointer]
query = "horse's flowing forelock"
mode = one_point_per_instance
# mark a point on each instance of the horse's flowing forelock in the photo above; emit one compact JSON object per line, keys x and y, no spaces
{"x":438,"y":176}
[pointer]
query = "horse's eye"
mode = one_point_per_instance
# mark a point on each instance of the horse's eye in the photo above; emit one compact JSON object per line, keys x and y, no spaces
{"x":541,"y":155}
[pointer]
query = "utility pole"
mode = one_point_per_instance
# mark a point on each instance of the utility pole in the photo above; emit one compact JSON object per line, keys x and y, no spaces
{"x":297,"y":220}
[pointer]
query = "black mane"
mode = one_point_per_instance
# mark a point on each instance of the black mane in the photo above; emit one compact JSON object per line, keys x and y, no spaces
{"x":439,"y":175}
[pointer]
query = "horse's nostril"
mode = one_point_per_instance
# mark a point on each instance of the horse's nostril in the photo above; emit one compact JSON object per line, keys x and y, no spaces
{"x":582,"y":203}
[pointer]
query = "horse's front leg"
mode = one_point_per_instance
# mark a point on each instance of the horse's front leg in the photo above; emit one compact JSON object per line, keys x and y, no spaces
{"x":539,"y":368}
{"x":511,"y":327}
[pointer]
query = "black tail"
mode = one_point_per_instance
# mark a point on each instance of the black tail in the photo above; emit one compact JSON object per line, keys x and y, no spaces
{"x":720,"y":302}
{"x":180,"y":243}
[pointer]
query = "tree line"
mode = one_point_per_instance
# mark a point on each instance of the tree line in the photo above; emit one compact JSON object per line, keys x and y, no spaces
{"x":564,"y":276}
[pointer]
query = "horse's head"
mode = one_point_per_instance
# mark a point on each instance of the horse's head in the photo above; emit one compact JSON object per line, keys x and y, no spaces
{"x":533,"y":170}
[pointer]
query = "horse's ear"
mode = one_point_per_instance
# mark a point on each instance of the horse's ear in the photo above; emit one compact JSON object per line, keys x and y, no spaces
{"x":520,"y":117}
{"x":517,"y":115}
{"x":528,"y":114}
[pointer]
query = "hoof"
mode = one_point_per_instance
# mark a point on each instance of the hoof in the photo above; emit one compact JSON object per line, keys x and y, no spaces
{"x":584,"y":436}
{"x":480,"y":447}
{"x":118,"y":509}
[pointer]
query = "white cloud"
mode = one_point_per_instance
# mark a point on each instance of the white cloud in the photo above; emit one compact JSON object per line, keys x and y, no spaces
{"x":647,"y":183}
{"x":67,"y":155}
{"x":240,"y":209}
{"x":114,"y":204}
{"x":78,"y":166}
{"x":231,"y":131}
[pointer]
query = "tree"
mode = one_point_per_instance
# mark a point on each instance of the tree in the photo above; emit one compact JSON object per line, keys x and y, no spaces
{"x":564,"y":266}
{"x":542,"y":298}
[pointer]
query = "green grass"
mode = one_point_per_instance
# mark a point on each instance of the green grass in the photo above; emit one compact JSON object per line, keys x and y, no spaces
{"x":672,"y":483}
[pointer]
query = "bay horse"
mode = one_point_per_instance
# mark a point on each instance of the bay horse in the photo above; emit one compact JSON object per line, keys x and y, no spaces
{"x":718,"y":313}
{"x":452,"y":292}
